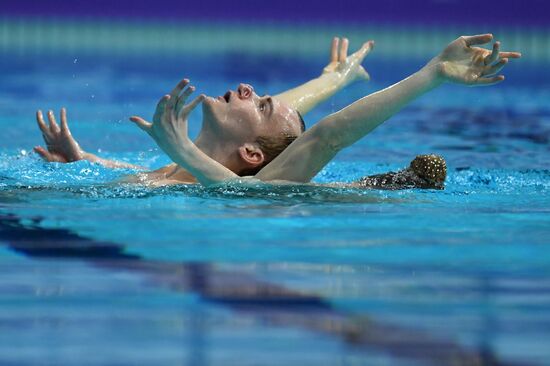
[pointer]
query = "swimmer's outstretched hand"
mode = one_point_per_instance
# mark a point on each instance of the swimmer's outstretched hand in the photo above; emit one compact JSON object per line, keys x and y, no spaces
{"x":348,"y":68}
{"x":341,"y":71}
{"x":61,"y":145}
{"x":169,"y":126}
{"x":63,"y":148}
{"x":462,"y":63}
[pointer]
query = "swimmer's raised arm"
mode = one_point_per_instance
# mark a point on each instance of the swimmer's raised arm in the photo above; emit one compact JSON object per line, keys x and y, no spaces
{"x":169,"y":130}
{"x":62,"y":147}
{"x":341,"y":71}
{"x":459,"y":63}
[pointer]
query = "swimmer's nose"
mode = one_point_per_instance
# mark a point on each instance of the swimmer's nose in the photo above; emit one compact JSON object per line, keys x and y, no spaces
{"x":245,"y":91}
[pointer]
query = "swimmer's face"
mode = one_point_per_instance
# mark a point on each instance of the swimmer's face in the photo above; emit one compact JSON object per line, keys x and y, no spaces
{"x":241,"y":116}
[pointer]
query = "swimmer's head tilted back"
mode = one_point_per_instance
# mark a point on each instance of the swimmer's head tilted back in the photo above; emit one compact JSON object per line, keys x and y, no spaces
{"x":248,"y":129}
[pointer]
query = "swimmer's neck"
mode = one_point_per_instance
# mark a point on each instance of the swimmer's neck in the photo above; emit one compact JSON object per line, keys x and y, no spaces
{"x":225,"y":154}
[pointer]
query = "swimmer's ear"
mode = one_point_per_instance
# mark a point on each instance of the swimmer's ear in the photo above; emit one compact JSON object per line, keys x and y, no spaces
{"x":251,"y":155}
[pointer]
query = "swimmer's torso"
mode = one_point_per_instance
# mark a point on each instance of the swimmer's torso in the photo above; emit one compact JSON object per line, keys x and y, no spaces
{"x":425,"y":171}
{"x":165,"y":176}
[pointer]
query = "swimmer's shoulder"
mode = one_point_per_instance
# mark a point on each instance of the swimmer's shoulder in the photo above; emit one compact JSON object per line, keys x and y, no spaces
{"x":166,"y":176}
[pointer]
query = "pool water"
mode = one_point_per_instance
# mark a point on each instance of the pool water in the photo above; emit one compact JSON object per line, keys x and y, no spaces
{"x":96,"y":273}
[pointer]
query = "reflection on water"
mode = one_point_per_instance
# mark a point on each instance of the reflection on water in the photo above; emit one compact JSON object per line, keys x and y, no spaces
{"x":238,"y":289}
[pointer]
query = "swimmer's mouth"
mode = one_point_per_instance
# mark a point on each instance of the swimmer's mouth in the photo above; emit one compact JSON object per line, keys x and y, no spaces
{"x":226,"y":97}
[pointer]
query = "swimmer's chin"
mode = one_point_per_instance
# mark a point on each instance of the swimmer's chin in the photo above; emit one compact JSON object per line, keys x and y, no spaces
{"x":210,"y":105}
{"x":214,"y":114}
{"x":210,"y":101}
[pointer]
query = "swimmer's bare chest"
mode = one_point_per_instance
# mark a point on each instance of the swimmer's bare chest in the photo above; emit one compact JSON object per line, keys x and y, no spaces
{"x":173,"y":175}
{"x":165,"y":176}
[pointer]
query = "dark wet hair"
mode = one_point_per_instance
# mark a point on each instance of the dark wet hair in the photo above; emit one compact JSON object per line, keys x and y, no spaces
{"x":302,"y":122}
{"x":273,"y":146}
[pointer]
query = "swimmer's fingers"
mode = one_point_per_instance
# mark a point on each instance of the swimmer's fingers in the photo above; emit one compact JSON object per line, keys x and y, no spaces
{"x":343,"y":50}
{"x":53,"y":124}
{"x":168,"y":106}
{"x":477,"y":39}
{"x":192,"y":105}
{"x":183,"y":98}
{"x":64,"y":125}
{"x":42,"y":125}
{"x":364,"y":51}
{"x":176,"y":91}
{"x":509,"y":54}
{"x":43,"y":153}
{"x":161,"y":105}
{"x":494,"y":69}
{"x":493,"y":56}
{"x":143,"y":124}
{"x":46,"y":155}
{"x":359,"y":56}
{"x":334,"y":49}
{"x":489,"y":80}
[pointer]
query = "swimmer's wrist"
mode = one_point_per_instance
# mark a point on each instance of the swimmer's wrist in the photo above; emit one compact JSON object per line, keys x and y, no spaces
{"x":345,"y":79}
{"x":333,"y":78}
{"x":435,"y":67}
{"x":341,"y":78}
{"x":433,"y":72}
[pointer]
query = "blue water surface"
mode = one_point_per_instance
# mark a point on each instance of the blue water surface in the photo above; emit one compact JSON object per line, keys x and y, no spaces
{"x":98,"y":273}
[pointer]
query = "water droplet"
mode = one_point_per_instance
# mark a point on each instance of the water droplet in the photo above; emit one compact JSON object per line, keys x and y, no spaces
{"x":23,"y":152}
{"x":75,"y":61}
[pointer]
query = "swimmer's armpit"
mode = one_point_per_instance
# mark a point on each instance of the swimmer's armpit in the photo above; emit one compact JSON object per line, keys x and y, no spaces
{"x":62,"y":147}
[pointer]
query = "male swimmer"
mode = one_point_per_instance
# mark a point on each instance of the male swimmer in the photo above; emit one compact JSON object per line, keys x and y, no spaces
{"x":245,"y":134}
